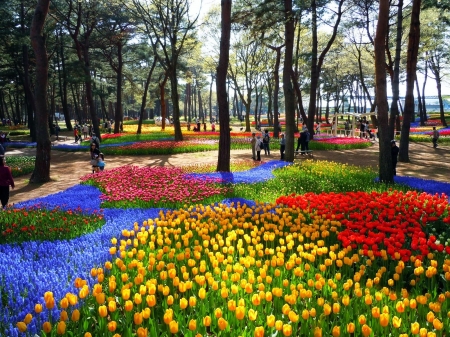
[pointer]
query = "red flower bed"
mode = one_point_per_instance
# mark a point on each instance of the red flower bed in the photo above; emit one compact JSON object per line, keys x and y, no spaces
{"x":397,"y":224}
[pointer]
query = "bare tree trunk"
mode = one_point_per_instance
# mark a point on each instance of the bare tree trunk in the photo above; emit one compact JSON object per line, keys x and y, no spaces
{"x":41,"y":171}
{"x":385,"y":160}
{"x":144,"y":97}
{"x":411,"y":65}
{"x":223,"y":162}
{"x":289,"y":97}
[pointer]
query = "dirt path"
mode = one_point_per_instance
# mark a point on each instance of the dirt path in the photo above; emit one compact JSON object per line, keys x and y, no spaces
{"x":67,"y":167}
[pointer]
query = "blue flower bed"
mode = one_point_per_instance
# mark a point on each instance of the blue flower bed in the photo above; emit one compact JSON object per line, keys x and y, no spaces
{"x":30,"y":269}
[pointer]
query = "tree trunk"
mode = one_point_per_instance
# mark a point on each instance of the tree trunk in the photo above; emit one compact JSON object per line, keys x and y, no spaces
{"x":223,"y":162}
{"x":411,"y":65}
{"x":176,"y":105}
{"x":144,"y":97}
{"x":289,"y":98}
{"x":441,"y":103}
{"x":385,"y":159}
{"x":41,"y":171}
{"x":118,"y":116}
{"x":396,"y":75}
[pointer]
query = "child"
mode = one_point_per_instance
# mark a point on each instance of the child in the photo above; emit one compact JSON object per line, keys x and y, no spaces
{"x":101,"y":162}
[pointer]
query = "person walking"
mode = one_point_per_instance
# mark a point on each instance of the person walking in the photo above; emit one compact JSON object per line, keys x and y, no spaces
{"x":394,"y":152}
{"x":435,"y":137}
{"x":266,"y":141}
{"x":258,"y":147}
{"x":95,"y":154}
{"x":95,"y":140}
{"x":6,"y":180}
{"x":282,"y":146}
{"x":253,"y":144}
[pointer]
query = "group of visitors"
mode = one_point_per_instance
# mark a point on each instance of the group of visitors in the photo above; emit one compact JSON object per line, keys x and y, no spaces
{"x":198,"y":126}
{"x":260,"y":143}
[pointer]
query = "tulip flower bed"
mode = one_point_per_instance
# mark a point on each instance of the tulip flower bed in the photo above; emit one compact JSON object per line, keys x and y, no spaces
{"x":38,"y":223}
{"x":20,"y":165}
{"x":344,"y":262}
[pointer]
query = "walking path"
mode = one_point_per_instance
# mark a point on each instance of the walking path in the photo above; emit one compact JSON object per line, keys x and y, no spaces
{"x":67,"y":167}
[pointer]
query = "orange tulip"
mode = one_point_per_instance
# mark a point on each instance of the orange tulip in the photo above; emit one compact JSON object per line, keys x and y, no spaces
{"x":47,"y":327}
{"x":351,"y":327}
{"x":259,"y":331}
{"x":61,"y":328}
{"x":137,"y":318}
{"x":206,"y":321}
{"x":192,"y":325}
{"x":75,"y":315}
{"x":63,"y":316}
{"x":27,"y":319}
{"x":437,"y":324}
{"x":141,"y":332}
{"x":128,"y":305}
{"x":336,"y":332}
{"x":366,"y":330}
{"x":287,"y":330}
{"x":173,"y":327}
{"x":112,"y":326}
{"x":222,"y":323}
{"x":21,"y":326}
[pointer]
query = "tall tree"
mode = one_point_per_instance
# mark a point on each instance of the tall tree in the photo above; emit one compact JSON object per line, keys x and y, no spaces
{"x":41,"y":171}
{"x":289,"y":95}
{"x":385,"y":161}
{"x":168,"y":26}
{"x":411,"y":63}
{"x":318,"y":59}
{"x":223,"y":162}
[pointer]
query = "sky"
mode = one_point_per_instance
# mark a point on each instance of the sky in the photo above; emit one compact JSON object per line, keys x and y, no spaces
{"x":203,"y":6}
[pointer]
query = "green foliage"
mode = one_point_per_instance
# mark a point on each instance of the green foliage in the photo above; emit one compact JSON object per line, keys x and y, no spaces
{"x":38,"y":223}
{"x":316,"y":177}
{"x":20,"y":165}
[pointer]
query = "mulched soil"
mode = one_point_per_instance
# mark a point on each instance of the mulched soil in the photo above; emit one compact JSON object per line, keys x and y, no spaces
{"x":67,"y":167}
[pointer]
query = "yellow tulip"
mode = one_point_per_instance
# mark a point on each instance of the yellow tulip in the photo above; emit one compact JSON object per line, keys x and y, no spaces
{"x":384,"y":320}
{"x":240,"y":312}
{"x":396,"y":322}
{"x":102,"y":311}
{"x":271,"y":321}
{"x":326,"y":309}
{"x":317,"y":332}
{"x":252,"y":314}
{"x":305,"y":314}
{"x":287,"y":330}
{"x":415,"y":328}
{"x":112,"y":306}
{"x":279,"y":325}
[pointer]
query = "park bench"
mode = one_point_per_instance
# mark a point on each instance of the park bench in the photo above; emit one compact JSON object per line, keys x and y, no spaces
{"x":308,"y":154}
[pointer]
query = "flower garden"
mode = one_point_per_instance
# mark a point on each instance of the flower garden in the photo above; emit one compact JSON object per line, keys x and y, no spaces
{"x":276,"y":249}
{"x":272,"y":249}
